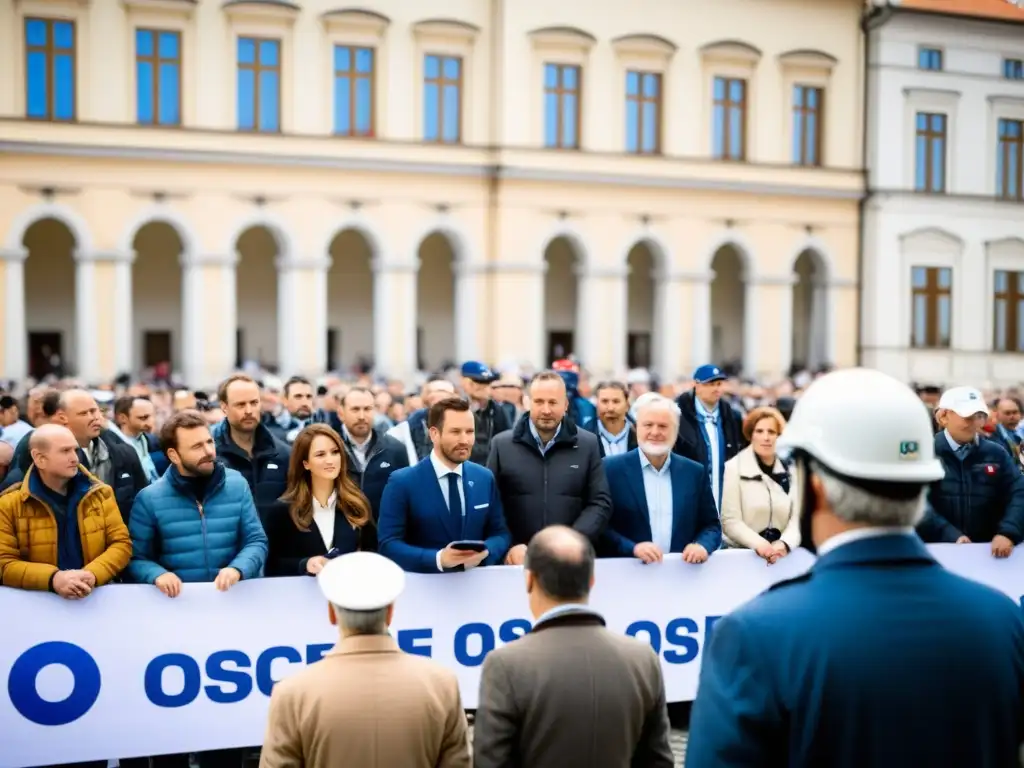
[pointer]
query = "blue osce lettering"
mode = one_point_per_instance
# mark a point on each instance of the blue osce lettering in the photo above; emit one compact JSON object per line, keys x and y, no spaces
{"x":681,"y":646}
{"x":418,"y":641}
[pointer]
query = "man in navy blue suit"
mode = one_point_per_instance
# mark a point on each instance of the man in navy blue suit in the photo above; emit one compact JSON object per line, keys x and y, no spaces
{"x":661,"y":502}
{"x":444,"y":499}
{"x":878,"y":655}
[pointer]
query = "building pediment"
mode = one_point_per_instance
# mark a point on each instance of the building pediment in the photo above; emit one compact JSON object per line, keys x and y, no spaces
{"x":731,"y":51}
{"x":274,"y":10}
{"x":359,"y":20}
{"x":562,"y":37}
{"x":448,"y":29}
{"x":931,"y":239}
{"x":644,"y":45}
{"x":806,"y":58}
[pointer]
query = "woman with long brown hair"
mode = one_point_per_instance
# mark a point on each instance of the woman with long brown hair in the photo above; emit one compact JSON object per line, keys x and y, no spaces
{"x":323,"y":513}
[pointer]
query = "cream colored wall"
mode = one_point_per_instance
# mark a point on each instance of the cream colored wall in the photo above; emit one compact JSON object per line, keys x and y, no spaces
{"x":318,"y":187}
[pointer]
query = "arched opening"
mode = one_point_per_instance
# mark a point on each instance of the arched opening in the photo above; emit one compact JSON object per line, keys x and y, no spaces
{"x":560,"y":299}
{"x":157,"y":296}
{"x":435,"y":303}
{"x":728,"y":308}
{"x":256,"y":291}
{"x":810,"y":326}
{"x":349,"y":302}
{"x":50,"y":298}
{"x":641,"y":307}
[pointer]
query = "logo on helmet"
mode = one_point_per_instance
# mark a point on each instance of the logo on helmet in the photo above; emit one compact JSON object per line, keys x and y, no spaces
{"x":909,"y":449}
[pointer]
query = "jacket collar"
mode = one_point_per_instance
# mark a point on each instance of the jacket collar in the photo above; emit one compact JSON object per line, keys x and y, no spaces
{"x":181,"y":486}
{"x":894,"y":549}
{"x":262,"y":442}
{"x":748,"y":465}
{"x":566,"y":435}
{"x":78,"y":487}
{"x":574,"y":616}
{"x":356,"y":644}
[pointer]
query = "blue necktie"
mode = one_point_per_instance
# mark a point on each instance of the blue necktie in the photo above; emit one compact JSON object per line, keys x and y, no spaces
{"x":454,"y":501}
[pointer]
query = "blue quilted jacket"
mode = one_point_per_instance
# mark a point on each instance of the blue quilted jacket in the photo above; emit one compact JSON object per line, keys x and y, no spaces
{"x":172,"y":531}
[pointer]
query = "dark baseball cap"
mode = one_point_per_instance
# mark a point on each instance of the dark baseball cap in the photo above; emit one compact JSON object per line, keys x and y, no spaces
{"x":479,"y":372}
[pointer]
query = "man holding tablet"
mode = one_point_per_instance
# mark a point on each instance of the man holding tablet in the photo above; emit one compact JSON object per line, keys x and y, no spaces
{"x":444,"y":513}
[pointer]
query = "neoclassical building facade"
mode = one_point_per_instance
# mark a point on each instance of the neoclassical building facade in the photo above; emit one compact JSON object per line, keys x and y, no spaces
{"x":309,"y":186}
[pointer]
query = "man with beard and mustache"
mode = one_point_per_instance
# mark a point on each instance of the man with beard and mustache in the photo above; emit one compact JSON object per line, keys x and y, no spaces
{"x":297,"y":410}
{"x":661,"y":502}
{"x":444,"y":513}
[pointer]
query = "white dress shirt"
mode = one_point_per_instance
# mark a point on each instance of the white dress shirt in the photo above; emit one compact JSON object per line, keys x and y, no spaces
{"x":712,"y":431}
{"x":359,"y":449}
{"x":658,"y":490}
{"x":324,"y":519}
{"x":442,"y":472}
{"x":613,"y":444}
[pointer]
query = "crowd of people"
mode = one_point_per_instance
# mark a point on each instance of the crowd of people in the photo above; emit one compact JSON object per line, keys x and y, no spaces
{"x":266,"y":478}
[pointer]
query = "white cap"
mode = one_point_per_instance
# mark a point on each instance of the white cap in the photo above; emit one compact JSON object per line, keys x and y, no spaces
{"x":361,"y":581}
{"x":963,"y":401}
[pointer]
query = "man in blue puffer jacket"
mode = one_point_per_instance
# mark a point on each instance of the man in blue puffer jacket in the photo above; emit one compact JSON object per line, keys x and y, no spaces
{"x":198,"y":522}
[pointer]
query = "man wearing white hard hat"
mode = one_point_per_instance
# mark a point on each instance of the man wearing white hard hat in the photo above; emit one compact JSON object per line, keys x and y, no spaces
{"x":877,"y":656}
{"x":980,"y":497}
{"x":366,"y":703}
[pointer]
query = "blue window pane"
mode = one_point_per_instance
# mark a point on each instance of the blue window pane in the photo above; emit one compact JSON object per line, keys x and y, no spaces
{"x":810,"y":135}
{"x":570,"y":80}
{"x":922,"y":121}
{"x":64,"y":85}
{"x":945,"y":278}
{"x":432,"y":68}
{"x":144,"y":92}
{"x":169,"y":91}
{"x":169,"y":45}
{"x":36,"y":101}
{"x":920,"y":321}
{"x":431,"y":112}
{"x":452,"y":68}
{"x":736,"y":88}
{"x":944,"y":320}
{"x":569,"y":135}
{"x":651,"y":86}
{"x":246,"y":51}
{"x":919,"y":276}
{"x":1013,"y":171}
{"x":246,"y":99}
{"x":342,"y":102}
{"x":451,"y":113}
{"x":1020,"y":328}
{"x":632,"y":126}
{"x":342,"y":58}
{"x":719,"y":89}
{"x":550,"y":76}
{"x":798,"y":96}
{"x":269,"y":95}
{"x":718,"y":132}
{"x":938,"y":123}
{"x":63,"y":35}
{"x":798,"y":136}
{"x":269,"y":53}
{"x":735,"y":134}
{"x":35,"y":32}
{"x":938,"y":166}
{"x":1000,"y":325}
{"x":1020,"y":282}
{"x":143,"y":42}
{"x":364,"y":60}
{"x":550,"y":120}
{"x":650,"y":137}
{"x":1001,"y":282}
{"x":632,"y":84}
{"x":364,"y":105}
{"x":920,"y":163}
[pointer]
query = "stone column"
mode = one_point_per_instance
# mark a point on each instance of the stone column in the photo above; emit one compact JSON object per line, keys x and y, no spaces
{"x":518,"y":314}
{"x":209,"y":321}
{"x":468,"y":287}
{"x":302,"y":313}
{"x":87,"y":364}
{"x":124,"y":315}
{"x":15,"y":360}
{"x":599,"y":344}
{"x":671,"y":327}
{"x":700,"y":289}
{"x":751,"y":325}
{"x":394,"y":317}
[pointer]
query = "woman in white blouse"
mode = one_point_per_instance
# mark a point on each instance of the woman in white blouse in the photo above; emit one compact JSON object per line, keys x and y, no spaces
{"x":757,"y":508}
{"x":322,"y":514}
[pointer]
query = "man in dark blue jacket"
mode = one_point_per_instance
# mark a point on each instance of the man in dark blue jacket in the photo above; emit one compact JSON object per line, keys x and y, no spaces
{"x":981,"y":495}
{"x":877,"y":656}
{"x":247,"y":446}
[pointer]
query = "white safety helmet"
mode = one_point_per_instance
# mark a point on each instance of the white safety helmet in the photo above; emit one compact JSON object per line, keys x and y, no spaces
{"x":864,"y":424}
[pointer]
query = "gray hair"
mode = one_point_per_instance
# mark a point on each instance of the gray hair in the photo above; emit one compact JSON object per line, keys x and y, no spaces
{"x":653,"y":401}
{"x":855,"y":505}
{"x":363,"y":622}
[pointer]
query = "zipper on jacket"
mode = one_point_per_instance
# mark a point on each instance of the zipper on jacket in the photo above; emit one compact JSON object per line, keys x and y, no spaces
{"x":206,"y":549}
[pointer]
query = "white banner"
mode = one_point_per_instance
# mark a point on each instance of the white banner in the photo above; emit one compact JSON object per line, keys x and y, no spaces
{"x":128,"y":672}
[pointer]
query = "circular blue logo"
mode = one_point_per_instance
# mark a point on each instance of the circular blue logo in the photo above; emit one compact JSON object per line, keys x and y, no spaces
{"x":21,"y":684}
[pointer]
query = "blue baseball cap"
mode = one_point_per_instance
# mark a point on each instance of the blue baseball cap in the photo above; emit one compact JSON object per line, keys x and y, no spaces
{"x":479,"y":372}
{"x":708,"y":373}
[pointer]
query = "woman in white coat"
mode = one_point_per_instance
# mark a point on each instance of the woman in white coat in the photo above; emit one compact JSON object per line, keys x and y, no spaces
{"x":757,"y":508}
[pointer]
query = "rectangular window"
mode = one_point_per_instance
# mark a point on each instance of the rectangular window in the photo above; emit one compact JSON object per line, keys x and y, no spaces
{"x":259,"y":85}
{"x":807,"y":128}
{"x":643,"y":112}
{"x":158,"y":77}
{"x":1013,"y":69}
{"x":930,"y":59}
{"x":442,"y":99}
{"x":729,"y":119}
{"x":50,"y":70}
{"x":930,"y":152}
{"x":931,"y":300}
{"x":1009,"y":179}
{"x":561,"y":106}
{"x":1008,"y":311}
{"x":353,"y":91}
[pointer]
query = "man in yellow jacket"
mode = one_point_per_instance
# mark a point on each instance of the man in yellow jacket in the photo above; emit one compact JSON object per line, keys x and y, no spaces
{"x":60,"y":528}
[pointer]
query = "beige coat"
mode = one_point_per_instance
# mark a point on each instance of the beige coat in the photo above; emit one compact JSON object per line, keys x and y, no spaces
{"x":367,"y":704}
{"x":572,"y":693}
{"x":749,"y":506}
